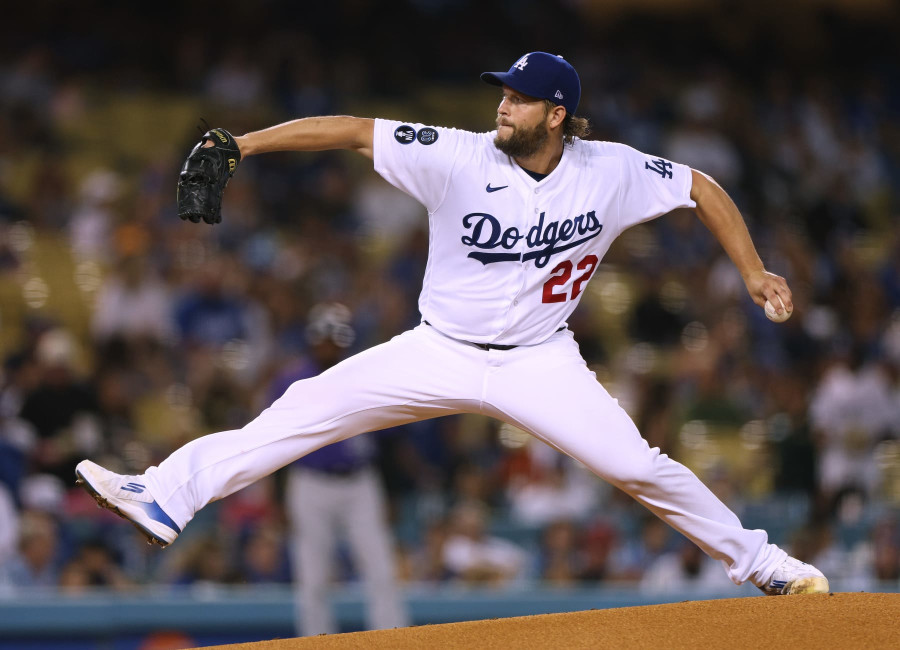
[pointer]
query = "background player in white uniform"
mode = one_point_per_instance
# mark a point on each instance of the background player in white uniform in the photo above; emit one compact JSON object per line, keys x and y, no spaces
{"x":519,"y":220}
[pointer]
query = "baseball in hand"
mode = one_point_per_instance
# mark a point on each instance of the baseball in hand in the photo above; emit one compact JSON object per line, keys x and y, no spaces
{"x":775,"y":317}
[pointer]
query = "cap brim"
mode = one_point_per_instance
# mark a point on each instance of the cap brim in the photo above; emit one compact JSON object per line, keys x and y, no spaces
{"x":507,"y":79}
{"x":494,"y":78}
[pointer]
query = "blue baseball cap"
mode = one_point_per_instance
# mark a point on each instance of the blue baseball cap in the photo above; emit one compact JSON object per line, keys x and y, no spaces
{"x":541,"y":75}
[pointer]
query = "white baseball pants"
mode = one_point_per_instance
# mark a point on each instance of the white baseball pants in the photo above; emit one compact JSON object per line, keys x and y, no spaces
{"x":545,"y":389}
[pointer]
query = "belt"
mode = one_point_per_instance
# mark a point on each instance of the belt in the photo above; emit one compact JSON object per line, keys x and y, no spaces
{"x":488,"y":346}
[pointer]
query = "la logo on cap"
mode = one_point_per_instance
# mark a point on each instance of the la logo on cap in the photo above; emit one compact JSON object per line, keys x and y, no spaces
{"x":558,"y":95}
{"x":521,"y":63}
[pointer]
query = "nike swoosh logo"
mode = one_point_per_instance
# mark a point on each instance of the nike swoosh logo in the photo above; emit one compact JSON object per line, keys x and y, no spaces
{"x":494,"y":189}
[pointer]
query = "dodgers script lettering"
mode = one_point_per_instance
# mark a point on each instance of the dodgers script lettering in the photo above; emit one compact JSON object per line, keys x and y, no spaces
{"x":543,"y":241}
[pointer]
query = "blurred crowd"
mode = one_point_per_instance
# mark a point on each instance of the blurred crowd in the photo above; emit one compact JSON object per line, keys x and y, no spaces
{"x":126,"y":332}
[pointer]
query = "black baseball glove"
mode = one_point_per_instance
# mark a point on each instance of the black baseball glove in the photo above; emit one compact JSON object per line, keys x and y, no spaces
{"x":205,"y":175}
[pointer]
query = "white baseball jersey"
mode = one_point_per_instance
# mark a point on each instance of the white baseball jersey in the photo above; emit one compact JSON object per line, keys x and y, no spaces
{"x":509,"y":256}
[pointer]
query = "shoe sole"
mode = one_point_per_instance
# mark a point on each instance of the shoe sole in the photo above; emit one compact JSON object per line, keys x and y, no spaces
{"x":103,"y":502}
{"x":811,"y":585}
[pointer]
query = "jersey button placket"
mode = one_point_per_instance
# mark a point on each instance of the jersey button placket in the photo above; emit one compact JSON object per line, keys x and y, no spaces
{"x":523,"y":248}
{"x":523,"y":271}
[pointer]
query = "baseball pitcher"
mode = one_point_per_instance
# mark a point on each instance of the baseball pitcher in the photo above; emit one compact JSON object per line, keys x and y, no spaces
{"x":519,"y":220}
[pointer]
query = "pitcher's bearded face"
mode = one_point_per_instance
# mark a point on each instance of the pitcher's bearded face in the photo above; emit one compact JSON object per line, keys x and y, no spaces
{"x":520,"y":141}
{"x":521,"y":124}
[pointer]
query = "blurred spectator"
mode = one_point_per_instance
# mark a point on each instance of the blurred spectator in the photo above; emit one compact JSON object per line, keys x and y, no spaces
{"x":886,"y":550}
{"x":851,"y":410}
{"x":560,"y":490}
{"x":62,"y":408}
{"x":92,"y":222}
{"x":255,"y":507}
{"x":473,"y":556}
{"x":424,"y":562}
{"x":655,"y":318}
{"x":816,"y":542}
{"x":597,"y":546}
{"x":211,"y":313}
{"x":206,"y":564}
{"x":133,"y":304}
{"x":225,"y":340}
{"x":264,"y":557}
{"x":559,"y":561}
{"x":17,"y":441}
{"x":44,"y":493}
{"x":93,"y":566}
{"x":36,"y":564}
{"x":21,"y":375}
{"x":633,"y":556}
{"x":387,"y":214}
{"x":696,"y":140}
{"x":686,"y":570}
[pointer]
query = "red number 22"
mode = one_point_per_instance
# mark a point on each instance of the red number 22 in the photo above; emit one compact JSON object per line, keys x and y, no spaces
{"x":560,"y":275}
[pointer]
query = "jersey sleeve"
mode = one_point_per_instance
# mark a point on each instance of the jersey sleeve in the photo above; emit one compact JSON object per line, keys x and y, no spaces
{"x":650,"y":187}
{"x":416,"y":158}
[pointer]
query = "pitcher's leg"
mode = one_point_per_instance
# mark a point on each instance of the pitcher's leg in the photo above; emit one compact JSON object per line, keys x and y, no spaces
{"x":552,"y":394}
{"x":390,"y":384}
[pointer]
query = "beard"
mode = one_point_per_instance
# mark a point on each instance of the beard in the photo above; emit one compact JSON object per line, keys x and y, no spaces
{"x":523,"y":142}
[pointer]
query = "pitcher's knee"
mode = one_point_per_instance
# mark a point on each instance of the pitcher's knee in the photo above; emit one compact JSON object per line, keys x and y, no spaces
{"x":635,"y":474}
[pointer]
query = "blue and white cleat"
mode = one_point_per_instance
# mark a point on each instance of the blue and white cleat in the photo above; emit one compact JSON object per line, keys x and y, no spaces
{"x":128,"y":497}
{"x":795,"y":577}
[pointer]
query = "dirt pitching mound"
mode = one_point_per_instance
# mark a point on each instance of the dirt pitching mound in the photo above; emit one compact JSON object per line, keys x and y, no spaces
{"x":818,"y":621}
